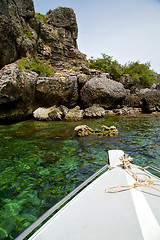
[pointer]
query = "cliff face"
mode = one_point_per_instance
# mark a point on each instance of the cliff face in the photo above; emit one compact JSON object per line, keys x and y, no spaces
{"x":23,"y":33}
{"x":58,"y":38}
{"x":14,"y":21}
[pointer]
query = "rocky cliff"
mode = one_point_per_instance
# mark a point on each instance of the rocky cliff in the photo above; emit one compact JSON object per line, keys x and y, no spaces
{"x":52,"y":71}
{"x":22,"y":32}
{"x":17,"y":37}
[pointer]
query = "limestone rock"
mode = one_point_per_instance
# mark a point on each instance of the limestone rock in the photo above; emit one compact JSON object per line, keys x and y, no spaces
{"x":84,"y":130}
{"x":132,"y":100}
{"x":57,"y":91}
{"x":94,"y":111}
{"x":110,"y":113}
{"x":105,"y":92}
{"x":126,"y":81}
{"x":58,"y":38}
{"x":65,"y":18}
{"x":128,"y":111}
{"x":22,"y":34}
{"x":64,"y":110}
{"x":109,"y":131}
{"x":153,"y":87}
{"x":158,"y":87}
{"x":17,"y":92}
{"x":42,"y":113}
{"x":17,"y":37}
{"x":150,"y":100}
{"x":55,"y":114}
{"x":82,"y":79}
{"x":74,"y":114}
{"x":52,"y":113}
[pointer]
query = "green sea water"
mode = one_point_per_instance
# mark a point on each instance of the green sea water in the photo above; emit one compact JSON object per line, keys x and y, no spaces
{"x":41,"y":162}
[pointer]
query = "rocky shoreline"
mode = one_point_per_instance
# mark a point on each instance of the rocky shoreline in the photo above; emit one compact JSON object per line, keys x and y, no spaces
{"x":83,"y":95}
{"x":73,"y":91}
{"x":77,"y":114}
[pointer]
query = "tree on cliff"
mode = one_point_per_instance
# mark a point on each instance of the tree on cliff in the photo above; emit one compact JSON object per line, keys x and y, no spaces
{"x":140,"y":73}
{"x":108,"y":65}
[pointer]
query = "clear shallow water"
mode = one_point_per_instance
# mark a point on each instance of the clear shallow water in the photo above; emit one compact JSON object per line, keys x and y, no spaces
{"x":41,"y":162}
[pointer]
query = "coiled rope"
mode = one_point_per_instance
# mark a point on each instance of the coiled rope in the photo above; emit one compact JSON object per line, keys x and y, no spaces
{"x":145,"y":181}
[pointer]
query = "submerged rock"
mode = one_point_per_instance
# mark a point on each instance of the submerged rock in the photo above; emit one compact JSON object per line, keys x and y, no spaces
{"x":84,"y":130}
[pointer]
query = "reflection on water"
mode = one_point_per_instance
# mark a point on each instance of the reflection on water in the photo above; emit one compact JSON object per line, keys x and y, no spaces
{"x":41,"y":162}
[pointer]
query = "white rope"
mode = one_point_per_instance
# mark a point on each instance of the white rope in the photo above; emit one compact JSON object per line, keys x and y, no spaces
{"x":146,"y":181}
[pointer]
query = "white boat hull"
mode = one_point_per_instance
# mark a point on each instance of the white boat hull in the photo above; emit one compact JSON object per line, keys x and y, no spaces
{"x":95,"y":214}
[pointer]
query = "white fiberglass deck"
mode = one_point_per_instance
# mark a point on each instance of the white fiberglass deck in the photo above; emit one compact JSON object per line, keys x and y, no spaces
{"x":96,"y":215}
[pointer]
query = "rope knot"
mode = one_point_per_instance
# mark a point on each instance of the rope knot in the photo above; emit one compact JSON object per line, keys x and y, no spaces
{"x":126,"y":161}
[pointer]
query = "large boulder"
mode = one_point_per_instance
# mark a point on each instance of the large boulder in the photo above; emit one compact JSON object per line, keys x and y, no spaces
{"x":17,"y":92}
{"x":132,"y":100}
{"x":52,"y":113}
{"x":103,"y":91}
{"x":57,"y":91}
{"x":126,"y":81}
{"x":150,"y":100}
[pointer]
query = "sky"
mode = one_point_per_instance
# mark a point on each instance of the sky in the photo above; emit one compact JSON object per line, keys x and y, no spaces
{"x":127,"y":30}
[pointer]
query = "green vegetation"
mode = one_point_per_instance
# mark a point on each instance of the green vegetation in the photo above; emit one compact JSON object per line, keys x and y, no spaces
{"x":25,"y":31}
{"x":106,"y":64}
{"x":141,"y":74}
{"x":50,"y":11}
{"x":36,"y":65}
{"x":42,"y":18}
{"x":75,"y":68}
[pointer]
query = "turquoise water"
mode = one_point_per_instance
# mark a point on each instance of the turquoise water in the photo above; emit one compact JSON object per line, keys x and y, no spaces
{"x":41,"y":162}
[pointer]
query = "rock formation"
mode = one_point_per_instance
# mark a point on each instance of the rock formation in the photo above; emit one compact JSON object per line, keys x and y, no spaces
{"x":103,"y":91}
{"x":53,"y":36}
{"x":150,"y":100}
{"x":17,"y":93}
{"x":95,"y":111}
{"x":57,"y":90}
{"x":84,"y":130}
{"x":75,"y":114}
{"x":69,"y":90}
{"x":17,"y":36}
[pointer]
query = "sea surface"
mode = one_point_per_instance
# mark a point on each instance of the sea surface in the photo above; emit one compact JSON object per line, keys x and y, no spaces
{"x":41,"y":162}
